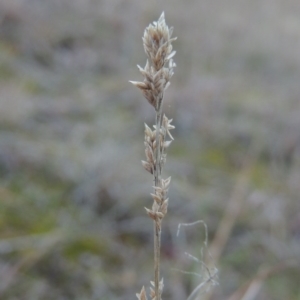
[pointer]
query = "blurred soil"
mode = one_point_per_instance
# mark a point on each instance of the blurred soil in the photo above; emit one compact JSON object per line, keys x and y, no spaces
{"x":72,"y":188}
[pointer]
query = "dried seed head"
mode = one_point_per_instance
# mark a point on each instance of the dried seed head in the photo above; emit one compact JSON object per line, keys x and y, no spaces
{"x":157,"y":73}
{"x":158,"y":70}
{"x":157,"y":43}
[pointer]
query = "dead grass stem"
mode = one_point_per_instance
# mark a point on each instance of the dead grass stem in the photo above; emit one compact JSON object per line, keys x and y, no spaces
{"x":157,"y":41}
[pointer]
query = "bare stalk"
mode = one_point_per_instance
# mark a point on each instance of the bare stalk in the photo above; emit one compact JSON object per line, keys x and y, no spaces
{"x":157,"y":74}
{"x":157,"y":229}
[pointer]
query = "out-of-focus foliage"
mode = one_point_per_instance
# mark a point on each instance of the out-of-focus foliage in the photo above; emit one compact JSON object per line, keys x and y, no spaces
{"x":72,"y":189}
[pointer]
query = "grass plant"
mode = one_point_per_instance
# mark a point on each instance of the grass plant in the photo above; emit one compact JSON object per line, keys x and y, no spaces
{"x":157,"y":41}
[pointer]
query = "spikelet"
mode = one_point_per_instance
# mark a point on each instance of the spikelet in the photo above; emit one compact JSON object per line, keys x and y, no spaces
{"x":159,"y":67}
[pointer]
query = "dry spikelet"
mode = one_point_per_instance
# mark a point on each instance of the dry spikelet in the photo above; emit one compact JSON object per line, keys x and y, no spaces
{"x":142,"y":295}
{"x":158,"y":70}
{"x":151,"y":213}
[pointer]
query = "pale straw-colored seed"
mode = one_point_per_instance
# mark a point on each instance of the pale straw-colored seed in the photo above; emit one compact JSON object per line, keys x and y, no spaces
{"x":156,"y":198}
{"x":151,"y":213}
{"x":147,"y":166}
{"x":159,"y":214}
{"x":164,"y":206}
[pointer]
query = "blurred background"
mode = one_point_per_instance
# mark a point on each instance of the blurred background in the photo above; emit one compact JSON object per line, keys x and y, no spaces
{"x":73,"y":190}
